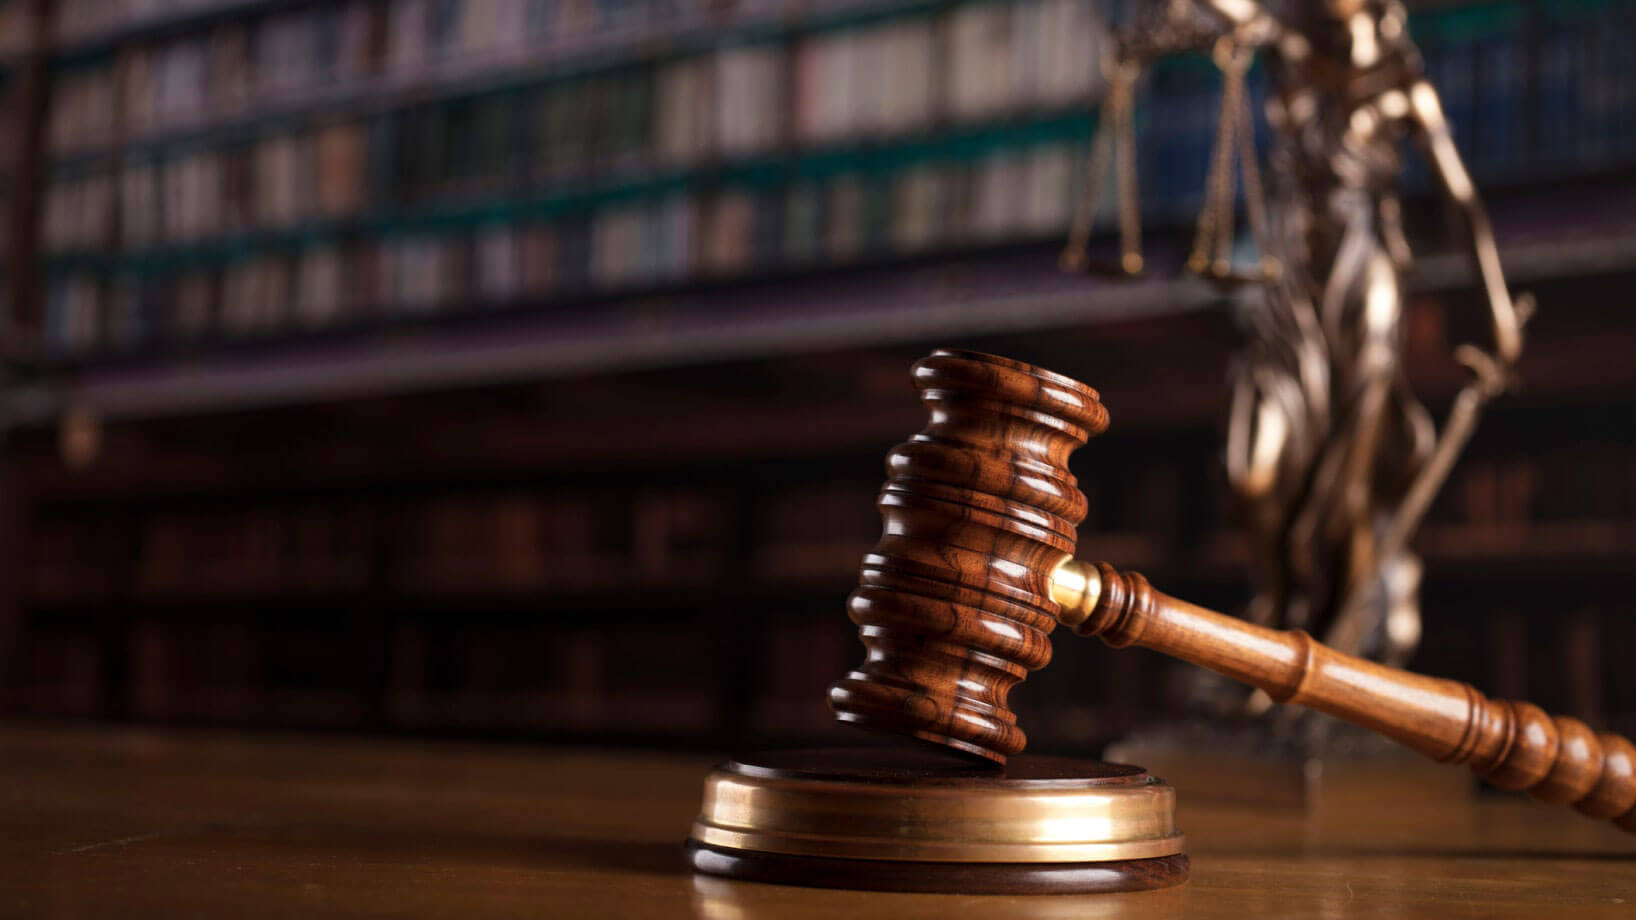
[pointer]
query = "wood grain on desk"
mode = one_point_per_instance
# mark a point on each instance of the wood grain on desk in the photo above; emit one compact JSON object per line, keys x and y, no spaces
{"x":135,"y":824}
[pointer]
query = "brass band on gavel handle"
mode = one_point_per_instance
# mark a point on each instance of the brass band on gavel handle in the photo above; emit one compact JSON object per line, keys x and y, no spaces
{"x":1512,"y":744}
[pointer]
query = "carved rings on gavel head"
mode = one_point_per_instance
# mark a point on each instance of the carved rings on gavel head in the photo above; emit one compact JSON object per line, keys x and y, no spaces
{"x":954,"y":605}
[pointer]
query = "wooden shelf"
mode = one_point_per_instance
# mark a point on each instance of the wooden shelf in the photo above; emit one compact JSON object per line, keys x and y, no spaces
{"x":974,"y":294}
{"x":154,"y":27}
{"x":893,"y":308}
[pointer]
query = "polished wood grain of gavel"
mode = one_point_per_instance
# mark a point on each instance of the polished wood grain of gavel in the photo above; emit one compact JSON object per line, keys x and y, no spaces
{"x":975,"y":567}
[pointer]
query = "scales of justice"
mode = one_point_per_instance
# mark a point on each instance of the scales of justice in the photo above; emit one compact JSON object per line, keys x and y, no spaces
{"x":1333,"y":460}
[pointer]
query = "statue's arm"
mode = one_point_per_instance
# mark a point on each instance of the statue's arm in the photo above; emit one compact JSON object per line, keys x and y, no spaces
{"x":1426,"y":113}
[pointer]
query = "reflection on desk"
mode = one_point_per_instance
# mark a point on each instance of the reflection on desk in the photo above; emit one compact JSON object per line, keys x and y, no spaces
{"x":143,"y":824}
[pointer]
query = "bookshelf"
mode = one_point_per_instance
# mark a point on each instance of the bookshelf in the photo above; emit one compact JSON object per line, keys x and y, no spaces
{"x":557,"y":434}
{"x":1563,"y":231}
{"x":426,"y":159}
{"x":469,"y":583}
{"x":526,"y":213}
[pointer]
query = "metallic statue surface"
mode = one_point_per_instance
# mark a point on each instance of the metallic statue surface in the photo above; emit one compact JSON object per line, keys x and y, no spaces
{"x":1333,"y":458}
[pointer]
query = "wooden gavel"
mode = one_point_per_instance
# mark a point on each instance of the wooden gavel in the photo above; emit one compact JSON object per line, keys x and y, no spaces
{"x":974,"y":568}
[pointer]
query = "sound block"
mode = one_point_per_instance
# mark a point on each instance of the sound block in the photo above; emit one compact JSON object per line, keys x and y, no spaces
{"x":908,"y":820}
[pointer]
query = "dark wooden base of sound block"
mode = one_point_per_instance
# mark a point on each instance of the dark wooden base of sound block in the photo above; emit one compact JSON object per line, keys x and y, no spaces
{"x":964,"y":878}
{"x":903,"y":819}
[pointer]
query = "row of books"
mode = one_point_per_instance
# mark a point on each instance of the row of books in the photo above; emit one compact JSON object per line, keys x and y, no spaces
{"x":521,"y":541}
{"x":10,"y":128}
{"x":1587,"y":88}
{"x":11,"y":125}
{"x":559,"y":673}
{"x":667,"y":681}
{"x":76,"y":20}
{"x":1524,"y":97}
{"x":513,"y":541}
{"x":467,"y":544}
{"x":731,"y":104}
{"x":16,"y":29}
{"x":971,"y":61}
{"x":300,"y":548}
{"x":1487,"y":492}
{"x":284,"y":180}
{"x":297,"y":672}
{"x":654,"y":680}
{"x":293,"y":672}
{"x":450,"y":26}
{"x":1019,"y":194}
{"x":507,"y":541}
{"x":1555,"y":484}
{"x":816,"y":532}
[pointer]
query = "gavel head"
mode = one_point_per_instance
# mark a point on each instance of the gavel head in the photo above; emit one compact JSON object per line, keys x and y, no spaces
{"x":954,"y":603}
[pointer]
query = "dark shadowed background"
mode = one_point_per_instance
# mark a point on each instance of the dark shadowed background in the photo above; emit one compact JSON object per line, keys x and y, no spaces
{"x":522,"y":368}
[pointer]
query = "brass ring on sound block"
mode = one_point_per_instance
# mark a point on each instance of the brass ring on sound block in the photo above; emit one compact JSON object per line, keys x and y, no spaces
{"x":922,"y":821}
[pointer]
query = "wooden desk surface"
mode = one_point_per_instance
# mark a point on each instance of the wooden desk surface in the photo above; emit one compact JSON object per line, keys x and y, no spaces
{"x":136,"y":824}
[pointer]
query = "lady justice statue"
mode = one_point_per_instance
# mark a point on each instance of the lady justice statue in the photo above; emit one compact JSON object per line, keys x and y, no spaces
{"x":1333,"y":459}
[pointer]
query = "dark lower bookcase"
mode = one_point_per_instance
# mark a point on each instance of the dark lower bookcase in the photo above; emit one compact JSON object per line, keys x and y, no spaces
{"x":524,"y":368}
{"x":332,"y":565}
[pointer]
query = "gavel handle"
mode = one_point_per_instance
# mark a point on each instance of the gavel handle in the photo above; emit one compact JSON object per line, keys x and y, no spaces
{"x":1514,"y":745}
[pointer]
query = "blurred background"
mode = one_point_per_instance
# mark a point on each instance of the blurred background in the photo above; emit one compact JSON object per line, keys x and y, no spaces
{"x":524,"y":368}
